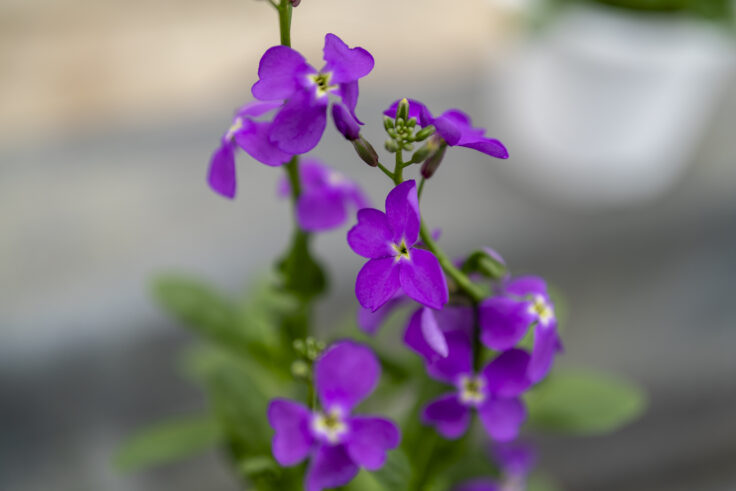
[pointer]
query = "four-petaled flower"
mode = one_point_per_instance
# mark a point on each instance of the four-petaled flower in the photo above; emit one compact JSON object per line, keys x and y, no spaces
{"x":325,"y":196}
{"x":337,"y":443}
{"x":453,"y":127}
{"x":388,"y":240}
{"x":251,"y":136}
{"x":506,"y":318}
{"x":493,"y":393}
{"x":284,"y":74}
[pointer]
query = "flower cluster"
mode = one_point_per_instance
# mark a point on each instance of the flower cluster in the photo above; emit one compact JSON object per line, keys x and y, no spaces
{"x":489,"y":343}
{"x":296,"y":97}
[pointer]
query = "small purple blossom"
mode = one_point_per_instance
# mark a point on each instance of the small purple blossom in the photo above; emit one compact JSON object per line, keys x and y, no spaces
{"x":336,"y":443}
{"x":493,"y":393}
{"x":250,"y":135}
{"x":326,"y":195}
{"x":388,"y":240}
{"x":506,"y":318}
{"x":284,"y":74}
{"x":454,"y":127}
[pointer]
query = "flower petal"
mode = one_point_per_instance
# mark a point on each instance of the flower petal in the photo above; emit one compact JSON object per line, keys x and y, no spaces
{"x":321,"y":209}
{"x":422,"y":279}
{"x":503,"y":321}
{"x":346,"y":64}
{"x":377,"y":282}
{"x":221,"y":175}
{"x":369,"y":440}
{"x":416,"y":110}
{"x":448,"y":416}
{"x":298,"y":126}
{"x":515,"y":458}
{"x":432,"y":333}
{"x":330,"y":467}
{"x":278,"y":73}
{"x":506,"y":375}
{"x":488,"y":146}
{"x":346,"y":374}
{"x":448,"y":129}
{"x":371,"y":236}
{"x":257,"y":108}
{"x":345,"y":122}
{"x":502,"y":418}
{"x":526,"y":285}
{"x":292,"y":440}
{"x":402,"y":210}
{"x":349,"y":94}
{"x":459,"y":359}
{"x":254,"y":139}
{"x":546,"y":344}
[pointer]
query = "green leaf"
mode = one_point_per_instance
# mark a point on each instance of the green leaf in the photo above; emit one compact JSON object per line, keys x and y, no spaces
{"x":199,"y":306}
{"x":168,"y":442}
{"x":584,"y":403}
{"x":396,"y":472}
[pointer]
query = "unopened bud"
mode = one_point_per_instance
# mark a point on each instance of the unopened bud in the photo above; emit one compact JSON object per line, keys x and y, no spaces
{"x":424,"y":133}
{"x":433,"y":162}
{"x":391,"y":146}
{"x":423,"y":153}
{"x":388,"y":123}
{"x":295,"y":3}
{"x":402,"y":111}
{"x":300,"y":369}
{"x":365,"y":151}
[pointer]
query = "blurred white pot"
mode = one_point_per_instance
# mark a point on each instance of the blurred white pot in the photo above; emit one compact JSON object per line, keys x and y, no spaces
{"x":606,"y":108}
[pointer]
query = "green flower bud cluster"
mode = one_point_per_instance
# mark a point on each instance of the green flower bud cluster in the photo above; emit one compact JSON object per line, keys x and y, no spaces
{"x":308,"y":351}
{"x":403,"y":131}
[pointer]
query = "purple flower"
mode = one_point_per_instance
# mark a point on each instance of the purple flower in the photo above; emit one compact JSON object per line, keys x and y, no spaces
{"x":515,"y":459}
{"x":337,"y":443}
{"x":454,"y":127}
{"x":493,"y":393}
{"x":251,"y":136}
{"x":284,"y":74}
{"x":506,"y":318}
{"x":325,"y":196}
{"x":388,"y":240}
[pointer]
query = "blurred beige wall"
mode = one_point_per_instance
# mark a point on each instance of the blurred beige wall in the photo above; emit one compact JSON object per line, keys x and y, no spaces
{"x":72,"y":65}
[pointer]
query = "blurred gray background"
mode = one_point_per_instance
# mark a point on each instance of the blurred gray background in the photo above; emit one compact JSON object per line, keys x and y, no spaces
{"x":110,"y":111}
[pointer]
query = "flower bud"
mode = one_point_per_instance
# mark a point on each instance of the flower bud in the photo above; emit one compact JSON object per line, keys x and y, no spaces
{"x":423,"y":153}
{"x":433,"y":162}
{"x":295,"y":3}
{"x":345,"y":122}
{"x":388,"y":123}
{"x":402,"y":111}
{"x":424,"y":133}
{"x":391,"y":146}
{"x":365,"y":151}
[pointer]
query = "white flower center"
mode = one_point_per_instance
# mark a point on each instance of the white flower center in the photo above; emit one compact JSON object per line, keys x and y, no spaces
{"x":540,"y":308}
{"x":472,"y":390}
{"x":322,"y":81}
{"x":401,"y":251}
{"x":329,"y":425}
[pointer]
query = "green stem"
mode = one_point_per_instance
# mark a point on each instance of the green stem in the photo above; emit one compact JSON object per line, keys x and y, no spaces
{"x":385,"y":170}
{"x":399,"y":168}
{"x":284,"y":10}
{"x":292,"y":171}
{"x":421,"y":187}
{"x":471,"y":289}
